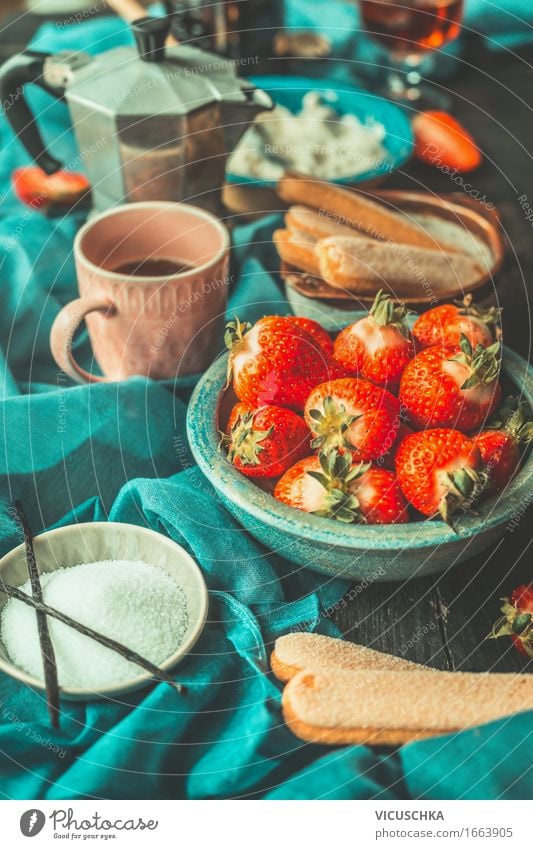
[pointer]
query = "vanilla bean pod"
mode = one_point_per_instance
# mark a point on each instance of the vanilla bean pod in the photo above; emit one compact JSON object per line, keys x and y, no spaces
{"x":124,"y":651}
{"x":45,"y":640}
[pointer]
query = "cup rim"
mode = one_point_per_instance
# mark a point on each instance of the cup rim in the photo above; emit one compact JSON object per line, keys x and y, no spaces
{"x":126,"y":207}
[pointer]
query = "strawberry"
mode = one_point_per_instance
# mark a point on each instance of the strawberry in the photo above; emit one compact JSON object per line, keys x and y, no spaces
{"x":450,"y":387}
{"x":331,"y":485}
{"x":440,"y":140}
{"x":379,"y":346}
{"x":517,"y":619}
{"x":265,"y":443}
{"x":352,"y":414}
{"x":381,"y":501}
{"x":387,"y":461}
{"x":446,"y":324}
{"x":39,"y":190}
{"x":440,"y":472}
{"x":276,"y":362}
{"x":315,"y":330}
{"x":239,"y":409}
{"x":500,"y":444}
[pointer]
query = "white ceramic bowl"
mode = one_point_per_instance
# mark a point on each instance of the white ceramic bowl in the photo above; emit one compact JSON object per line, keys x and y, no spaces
{"x":97,"y":541}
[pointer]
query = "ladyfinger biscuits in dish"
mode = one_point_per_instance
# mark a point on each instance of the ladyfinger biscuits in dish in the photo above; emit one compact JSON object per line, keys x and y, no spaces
{"x":391,"y":708}
{"x":297,"y":250}
{"x":345,"y":261}
{"x":294,"y":652}
{"x":357,"y":211}
{"x":308,"y":222}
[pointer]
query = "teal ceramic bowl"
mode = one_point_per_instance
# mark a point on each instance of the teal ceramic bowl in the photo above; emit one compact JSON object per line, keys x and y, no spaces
{"x":364,"y":552}
{"x":347,"y":100}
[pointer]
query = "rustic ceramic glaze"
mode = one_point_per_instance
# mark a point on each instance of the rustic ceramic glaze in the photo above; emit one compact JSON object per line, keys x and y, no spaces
{"x":365,"y":552}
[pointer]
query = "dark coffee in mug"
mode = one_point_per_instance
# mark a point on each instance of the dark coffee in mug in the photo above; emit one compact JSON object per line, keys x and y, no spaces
{"x":153,"y":281}
{"x":151,"y":267}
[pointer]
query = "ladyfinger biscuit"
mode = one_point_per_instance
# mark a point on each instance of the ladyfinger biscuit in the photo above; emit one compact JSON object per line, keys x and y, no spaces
{"x":301,"y":219}
{"x":343,"y":707}
{"x":294,"y":652}
{"x":345,"y":261}
{"x":297,"y":250}
{"x":357,"y":211}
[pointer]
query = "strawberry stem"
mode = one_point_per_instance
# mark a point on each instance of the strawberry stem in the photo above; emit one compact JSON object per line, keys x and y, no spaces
{"x":244,"y":442}
{"x":490,"y":316}
{"x":514,"y":418}
{"x":387,"y":314}
{"x":233,"y":338}
{"x":336,"y":476}
{"x":463,"y":488}
{"x":483,"y":363}
{"x":330,"y":426}
{"x":514,"y":624}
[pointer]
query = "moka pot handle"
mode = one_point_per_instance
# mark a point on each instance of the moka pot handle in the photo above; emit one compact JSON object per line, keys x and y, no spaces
{"x":19,"y":71}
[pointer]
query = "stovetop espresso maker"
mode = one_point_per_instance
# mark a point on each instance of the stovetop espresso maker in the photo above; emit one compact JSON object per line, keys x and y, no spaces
{"x":151,"y":123}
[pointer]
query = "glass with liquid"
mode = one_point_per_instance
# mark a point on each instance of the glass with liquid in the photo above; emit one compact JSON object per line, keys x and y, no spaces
{"x":409,"y":29}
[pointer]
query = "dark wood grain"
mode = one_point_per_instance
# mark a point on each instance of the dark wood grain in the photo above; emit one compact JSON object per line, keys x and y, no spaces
{"x":444,"y":622}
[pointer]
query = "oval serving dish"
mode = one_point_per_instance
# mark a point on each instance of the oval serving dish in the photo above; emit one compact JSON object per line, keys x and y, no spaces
{"x":368,"y":552}
{"x":312,"y":297}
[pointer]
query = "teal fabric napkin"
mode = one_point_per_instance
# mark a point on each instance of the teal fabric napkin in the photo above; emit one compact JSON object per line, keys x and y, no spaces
{"x":119,"y":452}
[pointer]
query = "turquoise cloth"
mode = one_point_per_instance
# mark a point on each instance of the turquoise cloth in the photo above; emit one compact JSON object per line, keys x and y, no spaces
{"x":119,"y":452}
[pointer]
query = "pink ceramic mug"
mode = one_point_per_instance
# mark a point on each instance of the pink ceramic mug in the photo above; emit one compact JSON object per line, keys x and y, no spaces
{"x":153,"y":280}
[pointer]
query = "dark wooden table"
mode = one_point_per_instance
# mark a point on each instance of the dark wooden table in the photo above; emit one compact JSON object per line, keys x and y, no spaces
{"x":444,"y":621}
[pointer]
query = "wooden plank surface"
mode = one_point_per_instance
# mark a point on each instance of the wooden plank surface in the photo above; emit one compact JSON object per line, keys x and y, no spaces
{"x":444,"y":622}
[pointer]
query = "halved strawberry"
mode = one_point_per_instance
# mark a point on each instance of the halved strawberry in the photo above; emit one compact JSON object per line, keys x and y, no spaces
{"x":276,"y":362}
{"x":440,"y":471}
{"x":379,"y":346}
{"x":446,"y":324}
{"x":447,"y":387}
{"x":517,"y":619}
{"x":264,"y":443}
{"x":331,"y":485}
{"x":500,"y":444}
{"x":39,"y":190}
{"x":352,"y":414}
{"x":440,"y":140}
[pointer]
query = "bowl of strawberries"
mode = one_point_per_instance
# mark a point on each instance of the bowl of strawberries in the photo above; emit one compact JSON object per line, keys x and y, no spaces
{"x":397,"y":449}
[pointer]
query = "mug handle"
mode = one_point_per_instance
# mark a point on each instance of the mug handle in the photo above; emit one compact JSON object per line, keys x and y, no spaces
{"x":62,"y":333}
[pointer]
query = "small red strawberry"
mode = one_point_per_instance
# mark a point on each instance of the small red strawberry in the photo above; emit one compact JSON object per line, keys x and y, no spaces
{"x":447,"y":387}
{"x":517,"y":619}
{"x":440,"y":472}
{"x":440,"y":140}
{"x":352,"y":414}
{"x":446,"y":324}
{"x":321,"y":336}
{"x":387,"y":461}
{"x":331,"y":485}
{"x":276,"y":362}
{"x":381,"y":501}
{"x":266,"y":442}
{"x":39,"y":190}
{"x":379,"y":346}
{"x":239,"y":409}
{"x":500,"y":445}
